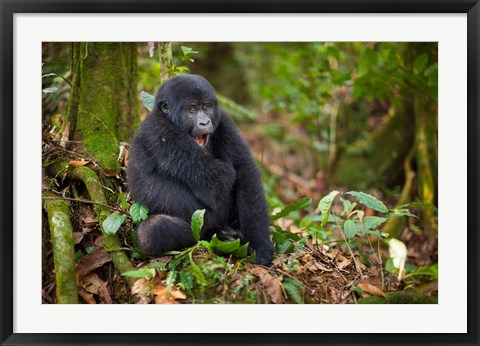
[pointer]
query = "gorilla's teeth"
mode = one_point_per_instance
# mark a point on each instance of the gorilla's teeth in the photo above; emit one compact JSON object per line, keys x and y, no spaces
{"x":201,"y":140}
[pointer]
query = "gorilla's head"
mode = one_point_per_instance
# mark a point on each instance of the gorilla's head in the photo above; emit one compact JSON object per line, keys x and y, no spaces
{"x":189,"y":102}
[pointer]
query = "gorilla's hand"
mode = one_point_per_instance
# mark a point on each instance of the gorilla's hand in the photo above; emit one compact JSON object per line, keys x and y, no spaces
{"x":264,"y":250}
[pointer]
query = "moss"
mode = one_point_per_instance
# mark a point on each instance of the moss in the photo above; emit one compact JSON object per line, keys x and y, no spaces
{"x":108,"y":109}
{"x":381,"y":155}
{"x":61,"y":232}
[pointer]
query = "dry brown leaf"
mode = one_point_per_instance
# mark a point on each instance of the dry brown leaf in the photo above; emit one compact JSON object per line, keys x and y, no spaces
{"x":87,"y":297}
{"x":143,"y":289}
{"x":162,"y":296}
{"x":93,"y":284}
{"x":332,"y":254}
{"x":343,"y":262}
{"x":89,"y":222}
{"x":370,"y":288}
{"x":307,"y":258}
{"x":74,"y":163}
{"x":77,"y":237}
{"x":90,"y":262}
{"x":320,"y":266}
{"x":271,"y":284}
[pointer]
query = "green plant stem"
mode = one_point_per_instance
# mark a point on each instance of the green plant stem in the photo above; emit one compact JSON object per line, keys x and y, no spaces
{"x":359,"y":270}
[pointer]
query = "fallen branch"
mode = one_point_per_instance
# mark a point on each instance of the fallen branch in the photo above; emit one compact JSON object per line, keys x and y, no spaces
{"x":63,"y":249}
{"x":111,"y":242}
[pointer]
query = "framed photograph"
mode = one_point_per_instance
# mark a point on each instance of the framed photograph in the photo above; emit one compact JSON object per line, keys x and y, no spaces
{"x":350,"y":60}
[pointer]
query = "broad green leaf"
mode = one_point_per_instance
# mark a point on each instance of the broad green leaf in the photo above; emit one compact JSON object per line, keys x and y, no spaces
{"x":369,"y":201}
{"x":242,"y":251}
{"x":420,"y":63}
{"x":372,"y":222}
{"x":398,"y":253}
{"x":148,"y":100}
{"x":112,"y":223}
{"x":197,"y":223}
{"x":141,"y":273}
{"x":302,"y":203}
{"x":90,"y":249}
{"x":225,"y":248}
{"x":325,"y":205}
{"x":50,"y":90}
{"x":250,"y":258}
{"x":138,"y":212}
{"x":350,"y":228}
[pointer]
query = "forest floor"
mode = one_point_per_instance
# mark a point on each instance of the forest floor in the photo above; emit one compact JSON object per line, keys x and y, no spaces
{"x":310,"y":272}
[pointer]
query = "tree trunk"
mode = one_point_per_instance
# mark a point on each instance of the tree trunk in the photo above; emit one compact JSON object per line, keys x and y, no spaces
{"x":103,"y":107}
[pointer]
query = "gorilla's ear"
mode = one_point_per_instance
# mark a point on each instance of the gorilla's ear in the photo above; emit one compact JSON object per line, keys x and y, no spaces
{"x":164,"y":107}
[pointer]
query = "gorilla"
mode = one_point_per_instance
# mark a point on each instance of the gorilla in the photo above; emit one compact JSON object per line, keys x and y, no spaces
{"x":188,"y":155}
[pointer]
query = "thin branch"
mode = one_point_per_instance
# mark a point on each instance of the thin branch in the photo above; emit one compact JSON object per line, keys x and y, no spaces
{"x":88,"y":202}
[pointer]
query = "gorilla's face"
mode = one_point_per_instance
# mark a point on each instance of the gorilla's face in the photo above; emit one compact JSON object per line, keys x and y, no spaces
{"x":189,"y":101}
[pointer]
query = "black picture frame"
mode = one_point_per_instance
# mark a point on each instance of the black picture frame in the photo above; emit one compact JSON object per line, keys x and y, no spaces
{"x":10,"y":7}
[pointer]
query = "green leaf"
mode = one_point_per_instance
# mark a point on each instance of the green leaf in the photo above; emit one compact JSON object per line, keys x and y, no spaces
{"x":284,"y":247}
{"x":369,"y":201}
{"x":197,"y":223}
{"x":186,"y":279}
{"x":197,"y":272}
{"x":141,"y":273}
{"x":302,"y":203}
{"x":350,"y":228}
{"x":148,"y":100}
{"x":372,"y":222}
{"x":188,"y":50}
{"x":50,"y":90}
{"x":347,"y":206}
{"x":420,"y":63}
{"x":242,"y":251}
{"x":122,"y":200}
{"x":138,"y":212}
{"x":225,"y":248}
{"x":157,"y":266}
{"x":113,"y":222}
{"x":325,"y":205}
{"x":294,"y":289}
{"x":90,"y":249}
{"x":250,"y":258}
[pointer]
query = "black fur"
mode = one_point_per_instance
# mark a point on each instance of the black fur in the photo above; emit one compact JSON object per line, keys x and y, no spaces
{"x":174,"y":176}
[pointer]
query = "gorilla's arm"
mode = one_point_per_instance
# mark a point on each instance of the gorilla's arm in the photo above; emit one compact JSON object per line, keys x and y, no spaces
{"x":250,"y":199}
{"x":176,"y":154}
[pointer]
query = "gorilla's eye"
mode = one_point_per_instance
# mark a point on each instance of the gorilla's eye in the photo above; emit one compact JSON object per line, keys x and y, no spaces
{"x":165,"y":107}
{"x":192,"y":109}
{"x":207,"y":106}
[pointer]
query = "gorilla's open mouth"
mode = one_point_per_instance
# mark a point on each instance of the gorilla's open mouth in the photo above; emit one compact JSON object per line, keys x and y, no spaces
{"x":201,"y":140}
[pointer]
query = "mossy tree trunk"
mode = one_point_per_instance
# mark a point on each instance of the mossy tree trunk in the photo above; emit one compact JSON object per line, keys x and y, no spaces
{"x":104,"y":107}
